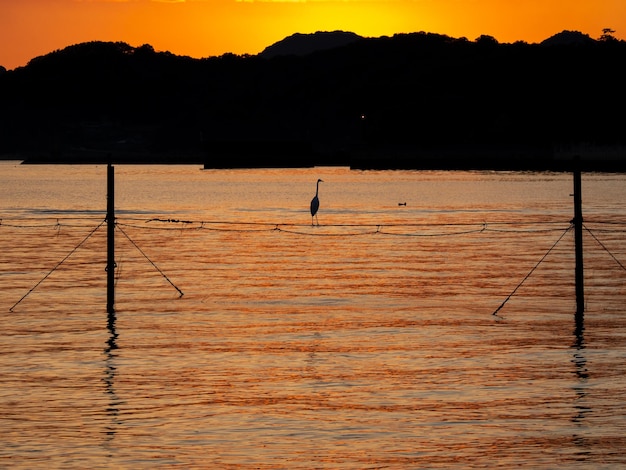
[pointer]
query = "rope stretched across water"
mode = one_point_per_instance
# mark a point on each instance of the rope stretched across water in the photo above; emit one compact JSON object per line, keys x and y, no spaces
{"x":532,"y":270}
{"x":150,"y":261}
{"x":58,"y":265}
{"x":605,"y":248}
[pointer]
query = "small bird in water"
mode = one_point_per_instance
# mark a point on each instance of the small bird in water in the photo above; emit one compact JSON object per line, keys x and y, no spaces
{"x":315,"y":203}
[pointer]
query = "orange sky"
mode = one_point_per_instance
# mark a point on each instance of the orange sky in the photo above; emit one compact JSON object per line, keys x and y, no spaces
{"x":201,"y":28}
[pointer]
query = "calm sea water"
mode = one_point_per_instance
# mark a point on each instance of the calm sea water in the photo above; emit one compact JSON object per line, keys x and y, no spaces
{"x":368,"y":341}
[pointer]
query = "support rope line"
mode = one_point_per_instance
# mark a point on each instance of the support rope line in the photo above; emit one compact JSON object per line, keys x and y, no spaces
{"x":292,"y":228}
{"x":174,"y":221}
{"x":58,"y":265}
{"x":533,"y":270}
{"x":183,"y":225}
{"x":45,"y":222}
{"x":222,"y":229}
{"x":604,"y":247}
{"x":353,"y":234}
{"x":538,"y":230}
{"x":149,"y":260}
{"x":464,"y":232}
{"x":272,"y":225}
{"x":202,"y":226}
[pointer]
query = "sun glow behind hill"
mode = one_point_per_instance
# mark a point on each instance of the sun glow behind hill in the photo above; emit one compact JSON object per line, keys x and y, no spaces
{"x":201,"y":28}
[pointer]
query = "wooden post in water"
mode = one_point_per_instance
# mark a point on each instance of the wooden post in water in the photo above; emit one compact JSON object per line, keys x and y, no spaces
{"x":110,"y":239}
{"x":578,"y":240}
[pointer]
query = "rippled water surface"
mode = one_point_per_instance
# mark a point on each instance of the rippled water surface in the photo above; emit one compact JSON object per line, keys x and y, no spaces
{"x":368,"y":341}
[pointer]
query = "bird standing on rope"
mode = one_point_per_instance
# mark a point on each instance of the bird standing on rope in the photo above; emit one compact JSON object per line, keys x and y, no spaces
{"x":315,"y":203}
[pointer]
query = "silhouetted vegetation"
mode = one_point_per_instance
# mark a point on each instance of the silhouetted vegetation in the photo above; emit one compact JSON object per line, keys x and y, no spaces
{"x":411,"y":100}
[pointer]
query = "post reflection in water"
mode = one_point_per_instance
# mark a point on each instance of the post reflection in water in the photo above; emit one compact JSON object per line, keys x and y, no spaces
{"x":582,"y":374}
{"x":110,"y":373}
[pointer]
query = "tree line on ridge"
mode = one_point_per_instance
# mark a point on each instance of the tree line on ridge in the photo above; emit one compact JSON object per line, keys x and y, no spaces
{"x":410,"y":100}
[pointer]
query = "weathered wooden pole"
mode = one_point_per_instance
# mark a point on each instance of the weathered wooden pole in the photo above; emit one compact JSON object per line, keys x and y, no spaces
{"x":110,"y":239}
{"x":578,"y":240}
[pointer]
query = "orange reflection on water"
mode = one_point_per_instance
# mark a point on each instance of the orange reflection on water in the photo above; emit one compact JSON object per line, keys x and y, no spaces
{"x":315,"y":346}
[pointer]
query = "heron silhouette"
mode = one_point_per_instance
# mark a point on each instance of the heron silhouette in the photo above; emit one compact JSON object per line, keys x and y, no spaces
{"x":315,"y":202}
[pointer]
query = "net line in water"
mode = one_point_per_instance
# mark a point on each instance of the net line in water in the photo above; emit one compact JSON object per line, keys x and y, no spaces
{"x":459,"y":228}
{"x":410,"y":229}
{"x":419,"y":229}
{"x":82,"y":242}
{"x":47,"y":222}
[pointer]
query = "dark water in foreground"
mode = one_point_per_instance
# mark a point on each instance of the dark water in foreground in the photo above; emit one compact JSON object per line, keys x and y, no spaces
{"x":366,"y":342}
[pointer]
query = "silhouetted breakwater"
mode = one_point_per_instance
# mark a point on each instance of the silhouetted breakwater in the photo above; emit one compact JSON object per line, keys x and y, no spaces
{"x":260,"y":154}
{"x":278,"y":154}
{"x":86,"y":157}
{"x":471,"y":161}
{"x":495,"y":158}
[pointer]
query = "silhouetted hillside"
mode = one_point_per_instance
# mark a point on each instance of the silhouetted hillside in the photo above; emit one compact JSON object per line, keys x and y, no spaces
{"x":303,"y":44}
{"x":568,"y":38}
{"x":411,"y":100}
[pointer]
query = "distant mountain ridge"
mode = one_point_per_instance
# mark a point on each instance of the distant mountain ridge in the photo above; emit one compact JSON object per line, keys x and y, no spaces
{"x":300,"y":44}
{"x":303,"y":44}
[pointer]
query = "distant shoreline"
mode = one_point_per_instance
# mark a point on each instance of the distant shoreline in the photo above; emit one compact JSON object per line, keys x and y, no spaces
{"x":495,"y":158}
{"x":487,"y":164}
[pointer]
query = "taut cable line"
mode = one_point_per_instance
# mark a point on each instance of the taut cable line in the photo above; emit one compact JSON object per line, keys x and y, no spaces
{"x":605,"y":248}
{"x":532,"y":270}
{"x":58,"y":265}
{"x":149,"y":260}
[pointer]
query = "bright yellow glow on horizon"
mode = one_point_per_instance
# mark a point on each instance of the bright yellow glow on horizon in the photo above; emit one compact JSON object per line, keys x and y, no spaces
{"x":202,"y":28}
